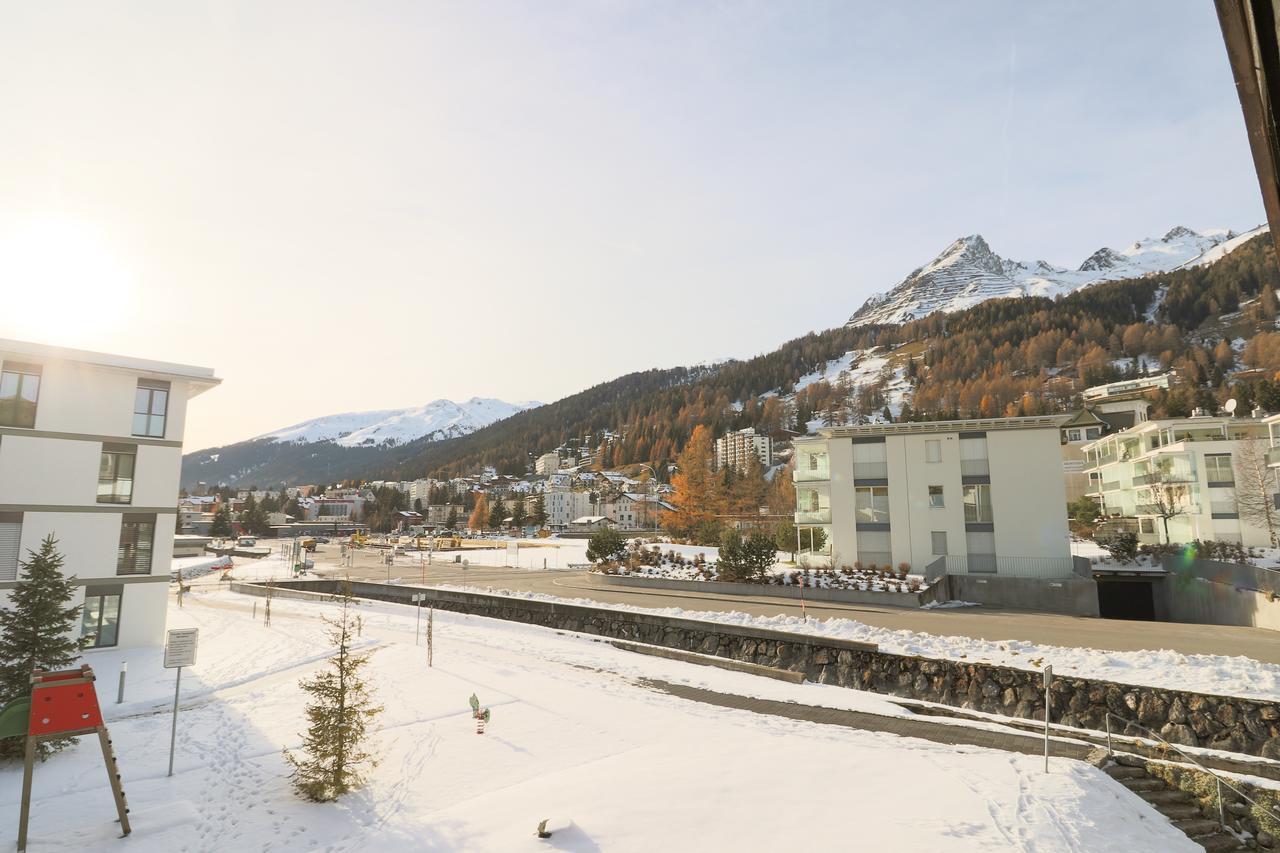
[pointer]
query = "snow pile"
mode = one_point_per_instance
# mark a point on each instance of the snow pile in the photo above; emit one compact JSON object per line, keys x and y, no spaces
{"x":674,"y":567}
{"x":439,"y":419}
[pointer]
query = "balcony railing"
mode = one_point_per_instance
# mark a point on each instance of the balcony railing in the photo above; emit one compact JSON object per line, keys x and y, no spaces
{"x":1110,"y":485}
{"x":813,"y":516}
{"x":1223,"y":507}
{"x":1180,"y":509}
{"x":975,"y":467}
{"x":1273,"y":455}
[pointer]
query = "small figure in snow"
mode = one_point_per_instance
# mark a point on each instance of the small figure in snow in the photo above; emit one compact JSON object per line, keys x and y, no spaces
{"x":481,"y":715}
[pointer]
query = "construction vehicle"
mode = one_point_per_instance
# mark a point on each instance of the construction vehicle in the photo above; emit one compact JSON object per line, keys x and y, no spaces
{"x":359,"y":539}
{"x":309,"y":545}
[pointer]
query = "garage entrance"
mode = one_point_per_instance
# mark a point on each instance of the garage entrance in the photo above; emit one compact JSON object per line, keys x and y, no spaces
{"x":1126,"y":599}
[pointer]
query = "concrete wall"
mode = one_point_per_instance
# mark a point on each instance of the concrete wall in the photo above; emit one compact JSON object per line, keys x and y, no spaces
{"x":1194,"y":719}
{"x":1209,"y":592}
{"x":1072,"y":596}
{"x":1028,"y":494}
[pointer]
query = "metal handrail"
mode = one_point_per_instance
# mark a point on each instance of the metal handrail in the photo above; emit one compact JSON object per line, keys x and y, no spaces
{"x":1222,"y":817}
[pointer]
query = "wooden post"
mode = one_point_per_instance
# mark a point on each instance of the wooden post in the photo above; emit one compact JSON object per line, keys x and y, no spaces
{"x":28,"y":767}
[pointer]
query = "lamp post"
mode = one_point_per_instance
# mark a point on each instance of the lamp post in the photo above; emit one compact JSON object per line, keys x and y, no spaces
{"x":655,"y":492}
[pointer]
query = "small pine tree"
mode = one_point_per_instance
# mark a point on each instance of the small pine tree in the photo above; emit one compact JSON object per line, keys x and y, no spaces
{"x":37,"y":631}
{"x":339,"y":714}
{"x":497,"y":513}
{"x":539,"y":517}
{"x":221,"y":525}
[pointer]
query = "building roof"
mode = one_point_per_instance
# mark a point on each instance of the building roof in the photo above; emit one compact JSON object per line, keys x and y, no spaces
{"x":591,"y":519}
{"x":967,"y":425}
{"x":200,"y":378}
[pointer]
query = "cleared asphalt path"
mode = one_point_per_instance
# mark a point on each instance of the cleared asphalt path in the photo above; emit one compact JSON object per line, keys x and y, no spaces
{"x":979,"y":622}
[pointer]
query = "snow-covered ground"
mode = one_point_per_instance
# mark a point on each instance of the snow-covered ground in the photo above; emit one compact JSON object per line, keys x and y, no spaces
{"x":852,"y":579}
{"x":574,"y":739}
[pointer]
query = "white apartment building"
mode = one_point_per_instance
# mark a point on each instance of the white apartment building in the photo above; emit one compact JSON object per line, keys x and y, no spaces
{"x":547,"y":463}
{"x":90,"y":453}
{"x":735,"y":448}
{"x":563,"y":506}
{"x":985,"y":495}
{"x":1184,"y":472}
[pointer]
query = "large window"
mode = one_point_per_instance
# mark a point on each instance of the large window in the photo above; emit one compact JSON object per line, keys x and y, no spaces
{"x":973,"y":456}
{"x":871,"y":504}
{"x":933,"y":450}
{"x":869,"y":461}
{"x":813,"y":505}
{"x":115,"y":474}
{"x":938,"y":539}
{"x":137,"y":535}
{"x":100,"y":618}
{"x":19,"y":389}
{"x":150,"y":406}
{"x":10,"y":540}
{"x":1217,"y":468}
{"x":977,"y":504}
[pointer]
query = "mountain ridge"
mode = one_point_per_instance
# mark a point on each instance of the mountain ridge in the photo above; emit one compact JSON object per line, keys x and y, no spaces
{"x":969,"y":271}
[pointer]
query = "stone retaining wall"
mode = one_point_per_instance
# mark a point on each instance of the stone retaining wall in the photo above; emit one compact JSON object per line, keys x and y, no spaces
{"x":1193,"y":719}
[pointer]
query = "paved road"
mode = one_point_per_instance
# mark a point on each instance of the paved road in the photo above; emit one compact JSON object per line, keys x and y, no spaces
{"x":978,"y":622}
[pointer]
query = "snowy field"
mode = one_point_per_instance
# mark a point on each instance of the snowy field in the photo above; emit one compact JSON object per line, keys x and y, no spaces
{"x":574,"y":738}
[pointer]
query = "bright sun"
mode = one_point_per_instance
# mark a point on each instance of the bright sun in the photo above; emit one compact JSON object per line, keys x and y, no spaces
{"x":61,"y":283}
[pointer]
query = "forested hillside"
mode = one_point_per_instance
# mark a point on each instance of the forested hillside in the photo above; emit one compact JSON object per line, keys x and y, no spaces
{"x":1002,"y":357}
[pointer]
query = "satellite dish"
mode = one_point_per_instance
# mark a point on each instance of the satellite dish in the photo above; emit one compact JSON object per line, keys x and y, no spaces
{"x":1230,"y":406}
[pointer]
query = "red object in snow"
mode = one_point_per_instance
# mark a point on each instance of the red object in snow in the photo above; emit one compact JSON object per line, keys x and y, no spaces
{"x":60,"y":708}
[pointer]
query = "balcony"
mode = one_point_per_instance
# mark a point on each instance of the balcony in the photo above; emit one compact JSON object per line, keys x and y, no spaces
{"x":870,"y":470}
{"x":1180,"y":509}
{"x":975,"y":468}
{"x":813,"y":516}
{"x":1273,"y":456}
{"x":1110,"y":486}
{"x":1162,"y":477}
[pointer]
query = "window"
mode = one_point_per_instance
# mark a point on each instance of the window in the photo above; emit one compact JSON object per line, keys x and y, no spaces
{"x":150,"y":405}
{"x":870,"y":461}
{"x":115,"y":474}
{"x":19,"y":388}
{"x":1092,"y":433}
{"x":871,"y":504}
{"x":933,"y":450}
{"x":137,"y":533}
{"x":1073,"y":435}
{"x":939,"y":538}
{"x":1217,"y":467}
{"x":973,"y":456}
{"x":980,"y":550}
{"x":935,"y":497}
{"x":10,"y":540}
{"x":977,"y":504}
{"x":874,"y":550}
{"x":1146,"y":525}
{"x":100,"y":618}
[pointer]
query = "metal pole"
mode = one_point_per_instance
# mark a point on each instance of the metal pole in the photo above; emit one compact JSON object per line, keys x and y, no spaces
{"x":1107,"y":718}
{"x":431,"y":618}
{"x":417,"y":621}
{"x":173,"y":733}
{"x":124,"y":667}
{"x":1048,"y":677}
{"x":1222,"y":815}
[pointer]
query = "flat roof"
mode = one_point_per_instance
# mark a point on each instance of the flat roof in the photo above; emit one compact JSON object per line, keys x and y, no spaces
{"x":199,"y":375}
{"x":967,"y":425}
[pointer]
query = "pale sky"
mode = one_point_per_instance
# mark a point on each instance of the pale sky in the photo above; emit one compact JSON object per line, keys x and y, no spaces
{"x":347,"y":206}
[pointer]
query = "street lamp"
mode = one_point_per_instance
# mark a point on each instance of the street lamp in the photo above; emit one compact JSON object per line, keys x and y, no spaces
{"x":655,"y":492}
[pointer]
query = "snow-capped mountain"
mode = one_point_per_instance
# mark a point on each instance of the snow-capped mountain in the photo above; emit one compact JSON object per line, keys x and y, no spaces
{"x":437,"y":420}
{"x":968,"y":272}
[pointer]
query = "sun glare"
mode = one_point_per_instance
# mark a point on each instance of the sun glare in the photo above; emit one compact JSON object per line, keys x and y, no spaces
{"x":62,"y":284}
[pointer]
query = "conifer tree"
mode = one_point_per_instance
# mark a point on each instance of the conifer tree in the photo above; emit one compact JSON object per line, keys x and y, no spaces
{"x":497,"y":513}
{"x":696,"y":485}
{"x":221,"y":525}
{"x":37,"y":631}
{"x":517,"y":513}
{"x":539,"y":516}
{"x":333,"y":747}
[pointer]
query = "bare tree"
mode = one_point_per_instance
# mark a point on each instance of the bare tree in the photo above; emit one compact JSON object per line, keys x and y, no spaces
{"x":1255,"y":487}
{"x":1168,"y":494}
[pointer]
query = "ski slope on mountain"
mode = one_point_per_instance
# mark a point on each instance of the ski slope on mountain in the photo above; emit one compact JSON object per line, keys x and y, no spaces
{"x":439,"y":419}
{"x":968,"y":272}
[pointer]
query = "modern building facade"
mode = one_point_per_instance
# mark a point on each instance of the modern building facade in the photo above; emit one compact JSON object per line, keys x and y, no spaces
{"x":983,"y":496}
{"x":1186,"y":475}
{"x":563,"y":506}
{"x":547,"y":463}
{"x":734,"y":449}
{"x":90,"y":453}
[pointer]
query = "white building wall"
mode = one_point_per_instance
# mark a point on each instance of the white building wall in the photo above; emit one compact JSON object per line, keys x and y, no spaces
{"x":49,"y":474}
{"x":1028,"y":493}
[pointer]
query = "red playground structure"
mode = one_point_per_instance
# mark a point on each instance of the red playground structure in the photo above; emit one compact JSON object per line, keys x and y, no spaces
{"x":62,"y":704}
